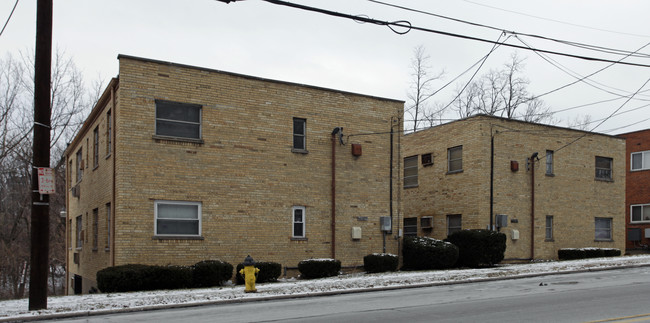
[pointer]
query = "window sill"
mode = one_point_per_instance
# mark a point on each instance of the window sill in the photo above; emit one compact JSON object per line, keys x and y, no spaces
{"x":455,"y":172}
{"x":94,"y":168}
{"x":107,"y":249}
{"x":298,"y":239}
{"x":299,"y":151}
{"x":108,"y":156}
{"x":95,"y":249}
{"x":639,"y":170}
{"x":411,"y":186}
{"x":550,"y":175}
{"x":604,"y":240}
{"x":549,"y":240}
{"x":158,"y":138}
{"x":170,"y":237}
{"x":609,"y":180}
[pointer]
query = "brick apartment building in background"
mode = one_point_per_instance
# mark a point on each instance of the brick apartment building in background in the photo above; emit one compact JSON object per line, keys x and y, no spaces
{"x":637,"y":188}
{"x":473,"y":172}
{"x":178,"y":164}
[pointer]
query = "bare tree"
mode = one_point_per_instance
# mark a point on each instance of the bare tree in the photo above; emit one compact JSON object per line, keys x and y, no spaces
{"x":421,"y":88}
{"x":71,"y":101}
{"x":503,"y":93}
{"x":580,"y":122}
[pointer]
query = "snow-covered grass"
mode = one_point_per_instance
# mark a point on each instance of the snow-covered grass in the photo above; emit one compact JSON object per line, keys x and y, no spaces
{"x":106,"y":303}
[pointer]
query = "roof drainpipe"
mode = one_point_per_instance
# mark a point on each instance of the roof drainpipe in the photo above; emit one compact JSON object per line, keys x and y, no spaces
{"x":533,"y":158}
{"x":337,"y":130}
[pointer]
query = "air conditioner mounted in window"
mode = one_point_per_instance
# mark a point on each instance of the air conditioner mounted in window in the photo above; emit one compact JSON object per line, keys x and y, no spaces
{"x":426,"y":222}
{"x":75,"y":190}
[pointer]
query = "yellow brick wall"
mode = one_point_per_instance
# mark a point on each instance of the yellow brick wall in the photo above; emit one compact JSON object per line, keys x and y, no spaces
{"x":572,"y":195}
{"x":244,"y":172}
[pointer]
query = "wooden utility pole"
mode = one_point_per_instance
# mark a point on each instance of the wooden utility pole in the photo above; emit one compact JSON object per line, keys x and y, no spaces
{"x":40,"y":226}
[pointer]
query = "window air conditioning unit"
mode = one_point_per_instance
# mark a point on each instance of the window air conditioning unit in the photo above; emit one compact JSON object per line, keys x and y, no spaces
{"x":647,"y":232}
{"x":426,"y":222}
{"x":75,"y":191}
{"x":385,"y":223}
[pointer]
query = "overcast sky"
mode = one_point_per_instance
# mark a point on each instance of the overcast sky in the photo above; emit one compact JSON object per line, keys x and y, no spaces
{"x":266,"y":40}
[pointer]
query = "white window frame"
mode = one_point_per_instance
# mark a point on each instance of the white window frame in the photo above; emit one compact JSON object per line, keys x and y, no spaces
{"x":96,"y":147}
{"x":302,"y":136}
{"x":109,"y":133}
{"x":450,"y":160}
{"x":645,"y":160}
{"x":411,"y":180}
{"x":160,"y":103}
{"x":549,"y":162}
{"x":79,"y":226}
{"x":607,"y":231}
{"x":80,"y":165}
{"x":549,"y":228}
{"x":294,"y":222}
{"x":198,"y":205}
{"x":643,"y":208}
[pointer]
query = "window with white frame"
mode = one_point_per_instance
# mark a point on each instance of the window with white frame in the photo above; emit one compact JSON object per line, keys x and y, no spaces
{"x":640,"y":213}
{"x":603,"y":229}
{"x":299,"y":134}
{"x":109,"y":132}
{"x":549,"y":162}
{"x":80,"y":165}
{"x":549,"y":227}
{"x":175,"y":119}
{"x":96,"y":147}
{"x":454,"y":223}
{"x":411,"y":171}
{"x":411,"y":225}
{"x":641,"y":160}
{"x":603,"y":168}
{"x":298,"y":220}
{"x":455,"y":159}
{"x":177,"y":218}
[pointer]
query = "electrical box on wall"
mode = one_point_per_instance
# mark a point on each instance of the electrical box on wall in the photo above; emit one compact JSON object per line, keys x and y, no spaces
{"x":514,"y":165}
{"x":356,"y":233}
{"x":515,"y":235}
{"x":356,"y":150}
{"x":501,"y":220}
{"x":385,"y":223}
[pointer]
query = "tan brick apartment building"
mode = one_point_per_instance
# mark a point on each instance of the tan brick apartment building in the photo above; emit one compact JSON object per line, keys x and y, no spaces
{"x":178,"y":164}
{"x":637,"y":188}
{"x":452,"y":183}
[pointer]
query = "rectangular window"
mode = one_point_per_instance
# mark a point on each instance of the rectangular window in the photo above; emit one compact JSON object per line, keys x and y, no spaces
{"x":80,"y":240}
{"x":298,"y":219}
{"x":299,"y":134}
{"x":80,"y":165}
{"x":411,"y":225}
{"x":604,"y":168}
{"x":549,"y":162}
{"x":549,"y":227}
{"x":603,"y":229}
{"x":411,"y":171}
{"x":108,"y":226}
{"x":640,"y":213}
{"x":641,"y":160}
{"x":175,"y":119}
{"x":455,"y":159}
{"x":96,"y":147}
{"x":454,"y":223}
{"x":95,"y":228}
{"x":177,"y":218}
{"x":109,"y":132}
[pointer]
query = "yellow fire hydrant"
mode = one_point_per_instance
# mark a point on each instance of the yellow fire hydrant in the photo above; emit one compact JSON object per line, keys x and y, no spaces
{"x":250,"y":274}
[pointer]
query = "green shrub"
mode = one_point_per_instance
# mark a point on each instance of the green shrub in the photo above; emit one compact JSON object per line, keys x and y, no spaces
{"x":478,"y":248}
{"x":318,"y":268}
{"x":427,"y":253}
{"x":269,"y":272}
{"x":133,"y":277}
{"x":380,"y":262}
{"x":209,"y":273}
{"x":582,"y":253}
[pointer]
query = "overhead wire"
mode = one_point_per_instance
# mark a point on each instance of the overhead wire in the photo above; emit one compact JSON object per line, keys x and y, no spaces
{"x":9,"y":18}
{"x":408,"y":27}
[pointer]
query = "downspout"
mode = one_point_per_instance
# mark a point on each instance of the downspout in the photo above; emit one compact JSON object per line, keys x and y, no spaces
{"x":491,"y":181}
{"x":390,"y":182}
{"x":532,"y":206}
{"x":114,"y":153}
{"x":333,"y":193}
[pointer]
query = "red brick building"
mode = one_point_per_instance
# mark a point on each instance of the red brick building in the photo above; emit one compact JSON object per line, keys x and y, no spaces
{"x":637,"y":189}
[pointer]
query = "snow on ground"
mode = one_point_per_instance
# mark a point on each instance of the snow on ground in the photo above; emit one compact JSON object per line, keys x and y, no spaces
{"x":107,"y":303}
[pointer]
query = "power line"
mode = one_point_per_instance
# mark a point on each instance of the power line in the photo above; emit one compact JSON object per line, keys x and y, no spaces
{"x":565,"y":42}
{"x":407,"y":26}
{"x":9,"y":18}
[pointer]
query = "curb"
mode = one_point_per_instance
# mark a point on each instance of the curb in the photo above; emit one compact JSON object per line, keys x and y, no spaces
{"x":305,"y":295}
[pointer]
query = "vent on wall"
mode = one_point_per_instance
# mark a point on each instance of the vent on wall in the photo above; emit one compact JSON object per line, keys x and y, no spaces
{"x":426,"y":222}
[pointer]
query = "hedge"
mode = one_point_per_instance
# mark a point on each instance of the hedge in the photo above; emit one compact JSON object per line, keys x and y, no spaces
{"x":269,"y":272}
{"x":421,"y":253}
{"x":319,"y":268}
{"x":380,"y":262}
{"x":582,"y":253}
{"x":478,"y":248}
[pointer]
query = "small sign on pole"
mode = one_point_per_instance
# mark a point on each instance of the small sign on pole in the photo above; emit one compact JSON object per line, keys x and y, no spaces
{"x":46,"y":181}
